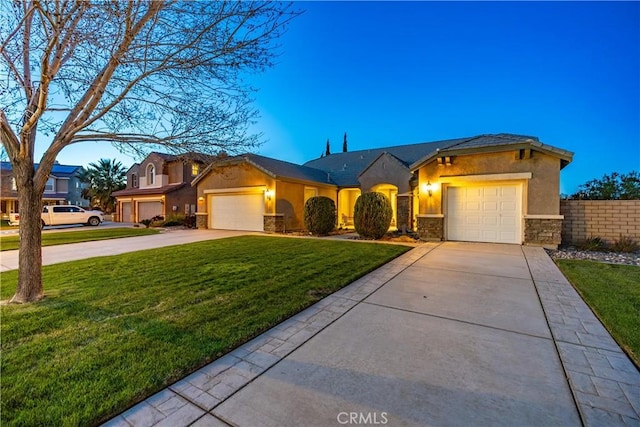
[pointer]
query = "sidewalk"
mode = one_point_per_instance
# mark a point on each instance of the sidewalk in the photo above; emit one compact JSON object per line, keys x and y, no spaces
{"x":447,"y":334}
{"x":76,"y":251}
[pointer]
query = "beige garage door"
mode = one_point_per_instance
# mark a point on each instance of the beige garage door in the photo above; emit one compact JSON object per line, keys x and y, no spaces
{"x":485,"y":213}
{"x":126,"y":212}
{"x":238,"y":212}
{"x":147,"y":210}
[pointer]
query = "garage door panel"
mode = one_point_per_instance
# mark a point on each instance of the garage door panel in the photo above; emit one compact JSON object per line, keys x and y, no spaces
{"x":489,"y":213}
{"x":147,"y":210}
{"x":126,"y":212}
{"x":238,"y":212}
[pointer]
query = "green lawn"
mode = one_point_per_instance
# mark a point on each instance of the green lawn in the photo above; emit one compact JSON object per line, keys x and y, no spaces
{"x":113,"y":330}
{"x":10,"y":242}
{"x":613,"y":292}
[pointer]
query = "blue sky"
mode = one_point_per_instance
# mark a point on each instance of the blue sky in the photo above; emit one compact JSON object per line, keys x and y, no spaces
{"x":391,"y":73}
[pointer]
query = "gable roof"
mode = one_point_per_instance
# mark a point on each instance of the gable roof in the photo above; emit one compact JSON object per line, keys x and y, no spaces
{"x":345,"y":168}
{"x":496,"y":142}
{"x":387,"y":155}
{"x":273,"y":167}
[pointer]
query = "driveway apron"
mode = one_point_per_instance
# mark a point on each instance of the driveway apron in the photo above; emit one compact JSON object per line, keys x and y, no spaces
{"x":457,"y":338}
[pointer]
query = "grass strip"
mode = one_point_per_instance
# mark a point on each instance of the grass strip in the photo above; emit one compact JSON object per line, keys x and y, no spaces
{"x":114,"y":330}
{"x":613,"y":293}
{"x":11,"y":242}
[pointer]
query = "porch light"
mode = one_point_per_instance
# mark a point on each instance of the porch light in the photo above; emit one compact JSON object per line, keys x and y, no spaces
{"x":428,"y":188}
{"x":269,"y":194}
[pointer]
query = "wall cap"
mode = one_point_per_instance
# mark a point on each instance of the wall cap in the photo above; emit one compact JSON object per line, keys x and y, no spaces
{"x":202,"y":213}
{"x":274,"y":214}
{"x":430,"y":215}
{"x":544,"y":217}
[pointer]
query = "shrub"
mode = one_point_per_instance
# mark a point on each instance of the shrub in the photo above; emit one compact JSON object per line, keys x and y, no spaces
{"x":592,"y":244}
{"x":146,"y":222}
{"x":625,"y":244}
{"x":173,"y":219}
{"x":372,"y":215}
{"x":320,"y":215}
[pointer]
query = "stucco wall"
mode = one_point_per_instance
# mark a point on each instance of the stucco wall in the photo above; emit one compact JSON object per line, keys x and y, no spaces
{"x":542,"y":191}
{"x":386,"y":170}
{"x":289,"y":195}
{"x":186,"y":195}
{"x":176,"y":172}
{"x":607,"y":219}
{"x":290,"y":201}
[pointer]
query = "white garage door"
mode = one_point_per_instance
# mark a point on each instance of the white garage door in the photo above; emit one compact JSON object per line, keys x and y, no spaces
{"x":147,"y":210}
{"x":488,"y":213}
{"x":238,"y":212}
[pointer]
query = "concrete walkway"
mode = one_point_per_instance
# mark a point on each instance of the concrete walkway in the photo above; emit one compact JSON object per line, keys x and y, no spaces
{"x":447,"y":334}
{"x":76,"y":251}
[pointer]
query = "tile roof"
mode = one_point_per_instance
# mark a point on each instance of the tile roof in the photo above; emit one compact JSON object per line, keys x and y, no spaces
{"x":147,"y":191}
{"x":345,"y":168}
{"x":280,"y":168}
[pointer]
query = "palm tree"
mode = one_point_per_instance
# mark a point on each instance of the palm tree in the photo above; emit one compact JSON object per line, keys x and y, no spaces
{"x":103,"y":178}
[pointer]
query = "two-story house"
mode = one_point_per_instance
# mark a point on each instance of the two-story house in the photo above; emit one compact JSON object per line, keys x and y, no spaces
{"x":63,"y":187}
{"x":159,"y":186}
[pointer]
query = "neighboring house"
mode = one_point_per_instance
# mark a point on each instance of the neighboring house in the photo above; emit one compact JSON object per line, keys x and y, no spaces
{"x":489,"y":188}
{"x":63,"y":188}
{"x":159,"y":185}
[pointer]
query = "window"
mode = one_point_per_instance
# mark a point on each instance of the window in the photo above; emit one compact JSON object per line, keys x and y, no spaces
{"x":50,"y":186}
{"x":14,"y":187}
{"x":134,"y":180}
{"x":195,"y":169}
{"x":151,"y":175}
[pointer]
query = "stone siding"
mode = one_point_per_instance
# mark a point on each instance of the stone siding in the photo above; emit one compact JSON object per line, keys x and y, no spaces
{"x":403,"y":213}
{"x":607,"y":219}
{"x":274,"y":223}
{"x":202,"y":220}
{"x":431,"y":228}
{"x":542,"y":232}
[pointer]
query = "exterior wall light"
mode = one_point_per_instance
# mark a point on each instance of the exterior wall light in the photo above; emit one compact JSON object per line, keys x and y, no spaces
{"x":269,"y":194}
{"x":428,"y":188}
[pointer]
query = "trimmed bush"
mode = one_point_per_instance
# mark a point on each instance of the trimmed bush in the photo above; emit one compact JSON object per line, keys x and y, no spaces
{"x":320,"y":215}
{"x":372,"y":215}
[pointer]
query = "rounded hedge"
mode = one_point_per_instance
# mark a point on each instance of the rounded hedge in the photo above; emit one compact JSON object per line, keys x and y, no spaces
{"x":320,"y":215}
{"x":372,"y":215}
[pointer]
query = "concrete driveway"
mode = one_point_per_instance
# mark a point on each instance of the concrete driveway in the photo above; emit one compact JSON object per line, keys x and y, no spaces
{"x":448,"y":334}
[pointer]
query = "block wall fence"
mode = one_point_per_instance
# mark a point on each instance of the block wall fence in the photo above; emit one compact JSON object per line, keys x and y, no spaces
{"x":607,"y":219}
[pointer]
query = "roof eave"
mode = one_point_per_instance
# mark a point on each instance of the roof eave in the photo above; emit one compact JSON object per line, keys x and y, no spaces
{"x":565,"y":156}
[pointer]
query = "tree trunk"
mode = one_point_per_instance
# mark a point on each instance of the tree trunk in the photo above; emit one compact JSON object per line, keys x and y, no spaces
{"x":30,"y":256}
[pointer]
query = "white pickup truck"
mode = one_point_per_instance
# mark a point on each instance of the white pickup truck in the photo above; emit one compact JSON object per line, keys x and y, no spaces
{"x":64,"y":215}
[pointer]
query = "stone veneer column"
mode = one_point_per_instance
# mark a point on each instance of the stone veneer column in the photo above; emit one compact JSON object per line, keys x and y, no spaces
{"x":202,"y":220}
{"x":403,"y":212}
{"x":431,"y":226}
{"x":274,"y":223}
{"x":543,"y":230}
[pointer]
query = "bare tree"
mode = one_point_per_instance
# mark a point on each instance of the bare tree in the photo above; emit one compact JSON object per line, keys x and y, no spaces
{"x":162,"y":73}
